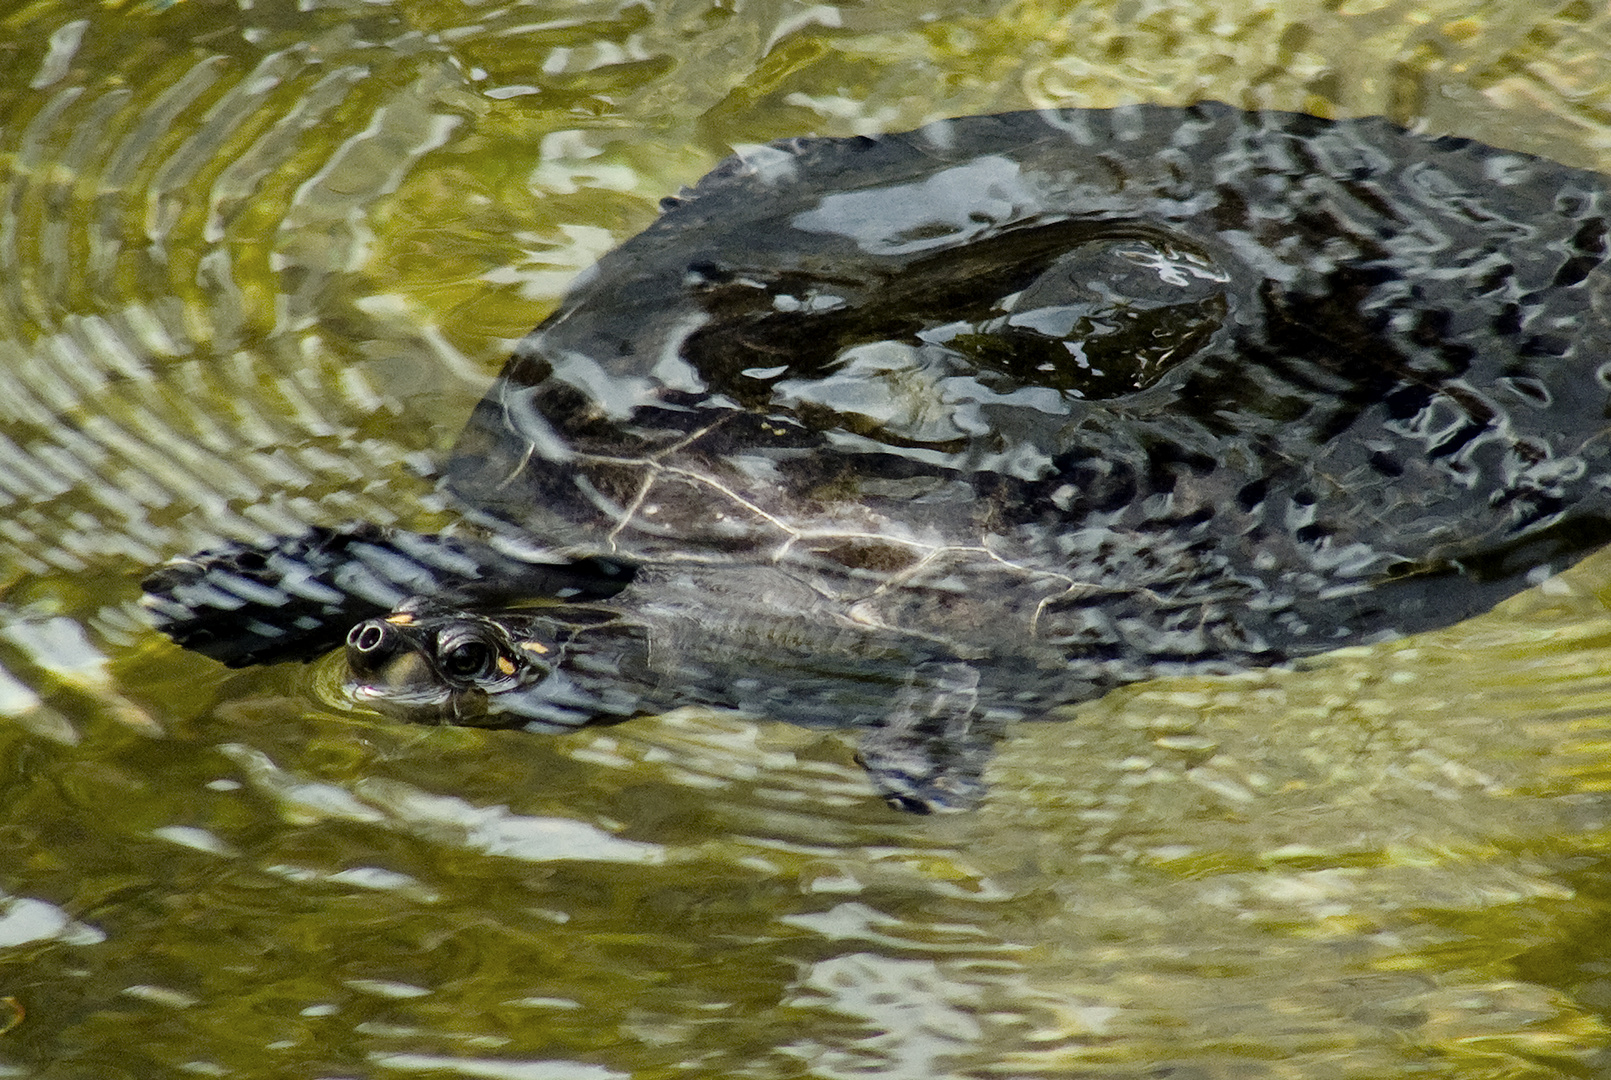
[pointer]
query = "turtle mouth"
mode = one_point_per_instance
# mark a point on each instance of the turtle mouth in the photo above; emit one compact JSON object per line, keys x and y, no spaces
{"x":405,"y":685}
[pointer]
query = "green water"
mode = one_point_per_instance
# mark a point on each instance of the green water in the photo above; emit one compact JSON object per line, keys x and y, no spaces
{"x":256,"y":264}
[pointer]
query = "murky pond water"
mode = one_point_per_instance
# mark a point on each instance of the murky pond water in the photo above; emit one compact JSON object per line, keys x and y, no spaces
{"x":257,"y":262}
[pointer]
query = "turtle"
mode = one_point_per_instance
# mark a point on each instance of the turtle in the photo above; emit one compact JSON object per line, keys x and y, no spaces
{"x":927,"y":433}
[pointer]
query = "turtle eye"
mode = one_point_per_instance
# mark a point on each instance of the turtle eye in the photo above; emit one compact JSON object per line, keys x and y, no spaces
{"x":467,"y":659}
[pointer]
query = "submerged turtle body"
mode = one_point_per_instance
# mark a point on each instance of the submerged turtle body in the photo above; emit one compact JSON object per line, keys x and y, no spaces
{"x":931,"y":431}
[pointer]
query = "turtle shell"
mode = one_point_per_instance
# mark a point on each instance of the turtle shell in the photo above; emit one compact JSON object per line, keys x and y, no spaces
{"x":1136,"y":386}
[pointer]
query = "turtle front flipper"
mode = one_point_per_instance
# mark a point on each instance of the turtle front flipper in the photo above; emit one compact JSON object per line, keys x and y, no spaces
{"x":930,"y":754}
{"x":295,"y":598}
{"x":260,"y":604}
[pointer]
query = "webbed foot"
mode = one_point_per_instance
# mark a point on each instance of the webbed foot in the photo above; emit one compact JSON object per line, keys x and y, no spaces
{"x":930,"y":755}
{"x":295,"y":598}
{"x":260,"y":604}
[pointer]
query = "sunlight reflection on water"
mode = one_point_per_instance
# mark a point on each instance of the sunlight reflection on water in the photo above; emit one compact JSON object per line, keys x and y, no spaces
{"x":256,"y":265}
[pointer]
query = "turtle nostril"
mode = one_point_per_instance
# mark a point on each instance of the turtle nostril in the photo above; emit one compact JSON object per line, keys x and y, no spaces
{"x":367,"y":637}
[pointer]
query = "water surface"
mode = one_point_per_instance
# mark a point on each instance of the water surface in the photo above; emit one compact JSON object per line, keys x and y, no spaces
{"x":256,"y":265}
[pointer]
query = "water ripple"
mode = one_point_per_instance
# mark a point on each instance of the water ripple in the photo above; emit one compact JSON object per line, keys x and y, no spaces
{"x":255,"y":261}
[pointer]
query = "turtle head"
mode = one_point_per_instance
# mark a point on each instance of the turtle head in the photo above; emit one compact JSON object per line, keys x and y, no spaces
{"x":433,"y":664}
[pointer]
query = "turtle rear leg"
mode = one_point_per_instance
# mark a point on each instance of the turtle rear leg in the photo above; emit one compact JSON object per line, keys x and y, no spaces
{"x":295,"y":598}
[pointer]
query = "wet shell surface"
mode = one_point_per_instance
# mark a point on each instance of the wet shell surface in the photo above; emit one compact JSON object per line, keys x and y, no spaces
{"x":1142,"y":385}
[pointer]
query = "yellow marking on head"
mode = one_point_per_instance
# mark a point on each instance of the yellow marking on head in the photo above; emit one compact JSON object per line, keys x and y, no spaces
{"x":402,"y":618}
{"x":532,"y":646}
{"x":506,"y":665}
